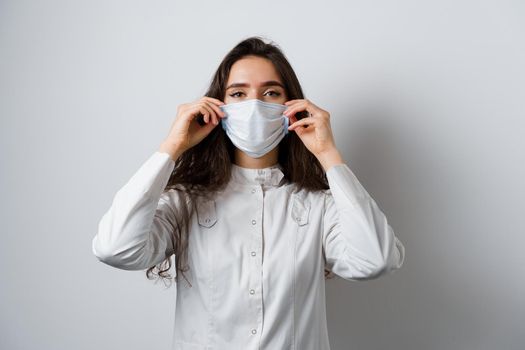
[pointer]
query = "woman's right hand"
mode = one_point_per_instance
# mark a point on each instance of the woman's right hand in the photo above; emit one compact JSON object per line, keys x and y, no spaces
{"x":185,"y":131}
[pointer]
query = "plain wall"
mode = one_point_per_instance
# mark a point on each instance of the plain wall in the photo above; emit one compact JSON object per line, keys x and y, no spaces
{"x":427,"y":107}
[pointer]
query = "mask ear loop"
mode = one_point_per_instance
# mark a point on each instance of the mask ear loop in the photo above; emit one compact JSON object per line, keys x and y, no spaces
{"x":286,"y":124}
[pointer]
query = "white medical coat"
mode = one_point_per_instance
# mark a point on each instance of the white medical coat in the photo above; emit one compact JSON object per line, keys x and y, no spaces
{"x":256,"y":253}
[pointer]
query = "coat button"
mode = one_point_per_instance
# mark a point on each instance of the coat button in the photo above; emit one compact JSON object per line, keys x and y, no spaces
{"x":254,"y":190}
{"x":254,"y":331}
{"x":252,"y":291}
{"x":253,"y":253}
{"x":253,"y":222}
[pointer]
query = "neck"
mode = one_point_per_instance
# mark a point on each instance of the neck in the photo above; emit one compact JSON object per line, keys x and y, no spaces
{"x":245,"y":161}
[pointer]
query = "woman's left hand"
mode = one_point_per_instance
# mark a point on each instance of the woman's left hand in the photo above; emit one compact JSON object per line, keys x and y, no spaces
{"x":317,"y":135}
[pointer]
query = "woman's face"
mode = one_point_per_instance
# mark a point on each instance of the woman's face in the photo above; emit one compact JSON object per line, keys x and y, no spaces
{"x":254,"y":77}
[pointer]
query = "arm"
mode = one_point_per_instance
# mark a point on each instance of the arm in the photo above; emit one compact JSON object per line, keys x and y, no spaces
{"x":137,"y":230}
{"x":358,"y":242}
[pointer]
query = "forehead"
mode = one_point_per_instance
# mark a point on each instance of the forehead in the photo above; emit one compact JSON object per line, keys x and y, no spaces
{"x":253,"y":70}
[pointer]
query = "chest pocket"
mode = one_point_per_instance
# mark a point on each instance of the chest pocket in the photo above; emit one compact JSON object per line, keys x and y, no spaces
{"x":206,"y":213}
{"x":300,"y":209}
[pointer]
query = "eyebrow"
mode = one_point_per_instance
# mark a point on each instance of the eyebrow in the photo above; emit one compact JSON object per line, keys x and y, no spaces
{"x":266,"y":83}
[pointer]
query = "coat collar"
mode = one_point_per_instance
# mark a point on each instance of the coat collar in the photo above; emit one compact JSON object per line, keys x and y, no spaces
{"x":269,"y":176}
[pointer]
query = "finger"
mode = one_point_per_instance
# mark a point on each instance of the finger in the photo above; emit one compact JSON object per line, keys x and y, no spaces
{"x":211,"y":114}
{"x":218,"y":111}
{"x":200,"y":108}
{"x":214,"y":118}
{"x":291,"y":102}
{"x":305,"y":121}
{"x":213,"y":100}
{"x":298,"y":107}
{"x":309,"y":107}
{"x":291,"y":119}
{"x":291,"y":105}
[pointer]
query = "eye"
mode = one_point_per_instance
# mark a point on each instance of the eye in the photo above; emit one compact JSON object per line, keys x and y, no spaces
{"x":235,"y":94}
{"x":275,"y":93}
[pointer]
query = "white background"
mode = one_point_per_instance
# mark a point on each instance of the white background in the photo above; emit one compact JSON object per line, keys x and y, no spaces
{"x":427,"y":106}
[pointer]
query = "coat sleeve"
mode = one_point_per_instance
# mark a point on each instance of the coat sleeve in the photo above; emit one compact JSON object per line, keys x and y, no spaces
{"x":358,"y":242}
{"x":137,"y":231}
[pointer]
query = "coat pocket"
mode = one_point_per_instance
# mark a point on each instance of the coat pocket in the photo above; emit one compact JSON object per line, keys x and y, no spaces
{"x":300,"y":210}
{"x":206,"y":213}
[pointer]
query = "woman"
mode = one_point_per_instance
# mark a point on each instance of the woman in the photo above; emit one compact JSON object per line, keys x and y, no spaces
{"x":256,"y":210}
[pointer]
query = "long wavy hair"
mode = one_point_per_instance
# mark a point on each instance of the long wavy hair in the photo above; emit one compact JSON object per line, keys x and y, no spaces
{"x":205,"y":169}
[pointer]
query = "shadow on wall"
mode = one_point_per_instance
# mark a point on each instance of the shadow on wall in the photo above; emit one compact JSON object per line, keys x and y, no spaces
{"x":396,"y":157}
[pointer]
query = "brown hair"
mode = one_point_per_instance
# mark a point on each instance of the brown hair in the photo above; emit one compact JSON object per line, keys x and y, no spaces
{"x":205,"y":168}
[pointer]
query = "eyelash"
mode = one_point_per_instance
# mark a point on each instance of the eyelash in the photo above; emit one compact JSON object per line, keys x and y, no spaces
{"x":236,"y":92}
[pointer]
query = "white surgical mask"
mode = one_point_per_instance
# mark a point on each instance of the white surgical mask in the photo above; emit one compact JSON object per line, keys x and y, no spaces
{"x":254,"y":126}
